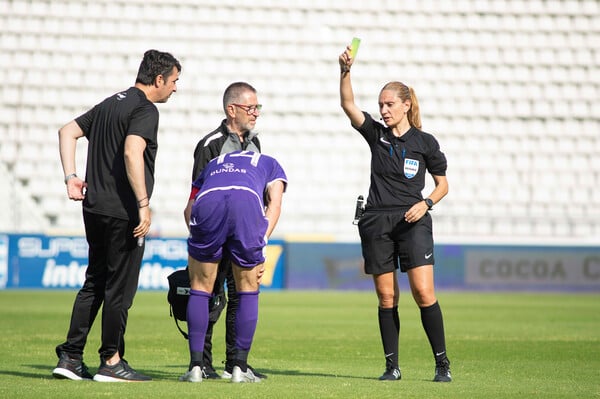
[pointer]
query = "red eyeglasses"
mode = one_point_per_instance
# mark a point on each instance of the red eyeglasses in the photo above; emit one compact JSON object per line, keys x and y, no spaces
{"x":250,"y":109}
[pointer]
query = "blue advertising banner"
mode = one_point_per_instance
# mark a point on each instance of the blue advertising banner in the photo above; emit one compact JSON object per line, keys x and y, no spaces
{"x":340,"y":266}
{"x":458,"y":267}
{"x":56,"y":262}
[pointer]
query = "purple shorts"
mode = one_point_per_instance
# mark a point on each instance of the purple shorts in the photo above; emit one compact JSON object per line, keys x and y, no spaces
{"x":230,"y":223}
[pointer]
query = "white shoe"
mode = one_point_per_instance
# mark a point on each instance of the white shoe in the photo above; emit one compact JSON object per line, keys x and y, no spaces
{"x":239,"y":376}
{"x":226,"y":375}
{"x":194,"y":375}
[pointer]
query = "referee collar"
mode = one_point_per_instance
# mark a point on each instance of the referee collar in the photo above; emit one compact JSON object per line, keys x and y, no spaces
{"x":409,"y":133}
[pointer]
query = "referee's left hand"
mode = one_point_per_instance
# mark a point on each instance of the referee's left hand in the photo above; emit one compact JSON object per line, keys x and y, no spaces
{"x":416,"y":212}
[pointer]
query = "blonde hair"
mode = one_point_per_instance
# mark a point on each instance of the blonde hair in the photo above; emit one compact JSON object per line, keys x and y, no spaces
{"x":407,"y":93}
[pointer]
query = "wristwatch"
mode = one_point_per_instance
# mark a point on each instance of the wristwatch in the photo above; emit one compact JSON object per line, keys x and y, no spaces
{"x":69,"y":177}
{"x":429,"y":203}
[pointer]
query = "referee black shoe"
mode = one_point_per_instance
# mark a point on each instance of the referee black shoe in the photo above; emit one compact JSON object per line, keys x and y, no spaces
{"x":71,"y":368}
{"x":120,"y":372}
{"x":442,"y":371}
{"x":391,"y":374}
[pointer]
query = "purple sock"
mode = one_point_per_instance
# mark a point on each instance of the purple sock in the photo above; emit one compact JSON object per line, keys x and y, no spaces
{"x":197,"y":319}
{"x":246,"y":318}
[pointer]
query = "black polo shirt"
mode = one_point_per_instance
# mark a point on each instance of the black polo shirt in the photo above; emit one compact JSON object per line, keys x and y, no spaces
{"x":106,"y":126}
{"x":399,"y":164}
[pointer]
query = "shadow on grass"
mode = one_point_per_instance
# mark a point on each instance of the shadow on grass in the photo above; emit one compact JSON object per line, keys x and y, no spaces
{"x":290,"y":373}
{"x":45,"y":372}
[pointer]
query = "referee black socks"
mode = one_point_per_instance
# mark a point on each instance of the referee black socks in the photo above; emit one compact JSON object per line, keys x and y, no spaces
{"x":433,"y":323}
{"x":389,"y":327}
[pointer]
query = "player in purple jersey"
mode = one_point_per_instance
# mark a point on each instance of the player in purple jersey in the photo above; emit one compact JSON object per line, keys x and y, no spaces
{"x":235,"y":133}
{"x":233,"y":208}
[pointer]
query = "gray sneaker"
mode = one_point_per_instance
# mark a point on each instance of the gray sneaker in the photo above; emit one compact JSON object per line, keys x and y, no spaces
{"x":239,"y":376}
{"x":120,"y":372}
{"x":70,"y":368}
{"x":193,"y":375}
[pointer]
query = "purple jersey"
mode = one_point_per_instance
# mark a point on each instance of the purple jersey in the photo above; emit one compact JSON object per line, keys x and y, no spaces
{"x":240,"y":170}
{"x":228,"y":211}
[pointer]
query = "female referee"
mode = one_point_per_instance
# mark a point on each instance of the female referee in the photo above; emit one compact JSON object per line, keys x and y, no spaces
{"x":396,"y":229}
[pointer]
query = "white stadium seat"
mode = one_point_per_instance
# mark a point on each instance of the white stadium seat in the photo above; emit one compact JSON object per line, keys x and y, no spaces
{"x":509,"y":88}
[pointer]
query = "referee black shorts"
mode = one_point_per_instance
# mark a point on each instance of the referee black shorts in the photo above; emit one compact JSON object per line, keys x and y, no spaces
{"x":389,"y":242}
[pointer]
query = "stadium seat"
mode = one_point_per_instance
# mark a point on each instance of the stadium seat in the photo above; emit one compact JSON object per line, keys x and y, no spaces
{"x":510,"y":90}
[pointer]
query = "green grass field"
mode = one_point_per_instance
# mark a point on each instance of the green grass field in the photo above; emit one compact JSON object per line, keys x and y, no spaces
{"x":326,"y":345}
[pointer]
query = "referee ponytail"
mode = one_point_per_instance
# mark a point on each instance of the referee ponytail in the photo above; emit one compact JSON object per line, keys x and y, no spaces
{"x":407,"y":93}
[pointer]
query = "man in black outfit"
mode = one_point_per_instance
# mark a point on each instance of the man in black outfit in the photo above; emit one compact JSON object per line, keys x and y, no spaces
{"x":122,"y":143}
{"x":235,"y":133}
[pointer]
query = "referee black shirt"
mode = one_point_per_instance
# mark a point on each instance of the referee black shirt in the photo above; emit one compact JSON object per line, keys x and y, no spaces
{"x":399,"y":164}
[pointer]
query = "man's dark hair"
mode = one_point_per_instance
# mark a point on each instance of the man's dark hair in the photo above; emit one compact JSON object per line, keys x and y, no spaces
{"x":156,"y":63}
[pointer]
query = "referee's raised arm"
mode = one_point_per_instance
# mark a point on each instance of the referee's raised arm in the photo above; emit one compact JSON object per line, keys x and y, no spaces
{"x":354,"y":113}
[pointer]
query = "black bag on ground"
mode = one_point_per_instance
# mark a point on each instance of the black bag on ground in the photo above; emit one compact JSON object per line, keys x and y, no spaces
{"x":178,"y":296}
